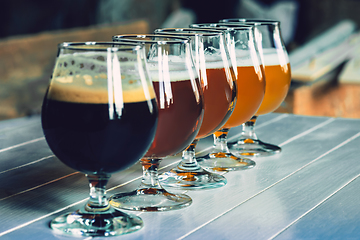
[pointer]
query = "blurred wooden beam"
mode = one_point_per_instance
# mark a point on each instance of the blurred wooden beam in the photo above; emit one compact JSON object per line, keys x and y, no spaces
{"x":26,"y":63}
{"x":332,"y":37}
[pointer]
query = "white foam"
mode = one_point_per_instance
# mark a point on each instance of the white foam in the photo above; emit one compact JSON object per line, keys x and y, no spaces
{"x":177,"y":66}
{"x":271,"y":57}
{"x":246,"y":58}
{"x":217,"y":64}
{"x":172,"y":76}
{"x":171,"y":70}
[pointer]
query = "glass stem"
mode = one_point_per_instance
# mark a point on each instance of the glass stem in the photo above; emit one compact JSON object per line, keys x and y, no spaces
{"x":220,"y":141}
{"x":98,"y":201}
{"x":248,"y":132}
{"x":188,"y":161}
{"x":150,"y":178}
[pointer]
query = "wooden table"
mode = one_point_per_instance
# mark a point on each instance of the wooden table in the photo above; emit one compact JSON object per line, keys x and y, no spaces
{"x":310,"y":190}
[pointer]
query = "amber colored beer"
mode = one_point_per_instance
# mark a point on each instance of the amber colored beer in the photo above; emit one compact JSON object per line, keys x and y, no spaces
{"x":180,"y":115}
{"x":219,"y":94}
{"x":250,"y":93}
{"x":278,"y":78}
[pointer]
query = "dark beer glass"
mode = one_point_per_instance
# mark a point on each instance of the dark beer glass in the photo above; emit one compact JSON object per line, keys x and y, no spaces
{"x":215,"y":69}
{"x":99,"y":116}
{"x":180,"y":103}
{"x":250,"y":80}
{"x":278,"y":78}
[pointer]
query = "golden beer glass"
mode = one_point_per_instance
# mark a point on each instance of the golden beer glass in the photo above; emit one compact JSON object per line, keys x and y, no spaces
{"x":216,"y":72}
{"x":278,"y":78}
{"x":250,"y":79}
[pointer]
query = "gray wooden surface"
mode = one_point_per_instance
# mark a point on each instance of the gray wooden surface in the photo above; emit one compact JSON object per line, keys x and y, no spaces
{"x":309,"y":191}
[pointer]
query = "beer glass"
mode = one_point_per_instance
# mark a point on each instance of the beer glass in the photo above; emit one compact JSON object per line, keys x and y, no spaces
{"x":215,"y":69}
{"x":99,"y":116}
{"x":278,"y":77}
{"x":250,"y":79}
{"x":180,"y":103}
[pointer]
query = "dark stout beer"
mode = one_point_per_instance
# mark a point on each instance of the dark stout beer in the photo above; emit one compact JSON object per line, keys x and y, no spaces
{"x":85,"y":137}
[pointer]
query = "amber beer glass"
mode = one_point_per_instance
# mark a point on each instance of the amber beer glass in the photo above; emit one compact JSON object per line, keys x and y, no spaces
{"x":99,"y":116}
{"x":180,"y":103}
{"x":213,"y":63}
{"x":250,"y":79}
{"x":278,"y":78}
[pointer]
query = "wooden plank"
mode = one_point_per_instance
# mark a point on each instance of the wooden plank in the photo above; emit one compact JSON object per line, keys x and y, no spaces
{"x":322,"y":63}
{"x":76,"y":192}
{"x":13,"y":133}
{"x":27,"y":62}
{"x":330,"y":38}
{"x":340,"y":210}
{"x":327,"y":99}
{"x":248,"y":184}
{"x":303,"y":139}
{"x":272,"y":211}
{"x":265,"y":213}
{"x":7,"y":125}
{"x":351,"y":71}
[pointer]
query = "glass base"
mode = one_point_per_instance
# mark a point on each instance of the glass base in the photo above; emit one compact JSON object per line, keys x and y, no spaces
{"x":110,"y":223}
{"x":225,"y":162}
{"x":150,"y":200}
{"x":256,"y":148}
{"x":192,"y":179}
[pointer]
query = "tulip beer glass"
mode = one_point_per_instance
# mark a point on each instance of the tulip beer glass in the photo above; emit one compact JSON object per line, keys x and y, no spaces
{"x":180,"y":103}
{"x":278,"y":77}
{"x":216,"y":72}
{"x":250,"y":79}
{"x":99,"y":117}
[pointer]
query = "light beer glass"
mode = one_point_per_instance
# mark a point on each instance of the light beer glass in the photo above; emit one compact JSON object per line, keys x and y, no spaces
{"x":213,"y":63}
{"x":250,"y":79}
{"x":278,"y":78}
{"x":99,"y":116}
{"x":180,"y":103}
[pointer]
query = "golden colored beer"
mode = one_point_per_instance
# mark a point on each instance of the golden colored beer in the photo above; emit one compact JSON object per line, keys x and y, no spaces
{"x":251,"y":90}
{"x":278,"y":78}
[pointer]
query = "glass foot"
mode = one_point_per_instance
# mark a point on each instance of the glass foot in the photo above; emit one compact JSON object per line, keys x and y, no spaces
{"x":150,"y":200}
{"x":111,"y":223}
{"x":222,"y":161}
{"x":256,"y":148}
{"x":193,"y":179}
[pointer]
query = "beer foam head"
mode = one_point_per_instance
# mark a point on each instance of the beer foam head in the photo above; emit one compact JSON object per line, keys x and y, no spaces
{"x":88,"y":78}
{"x":270,"y":56}
{"x":172,"y":69}
{"x":178,"y":66}
{"x":172,"y":76}
{"x":218,"y":64}
{"x":273,"y":57}
{"x":246,"y":58}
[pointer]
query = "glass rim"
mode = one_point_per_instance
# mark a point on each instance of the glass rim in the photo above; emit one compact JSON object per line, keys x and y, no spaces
{"x":226,"y":26}
{"x":140,"y":38}
{"x":94,"y":46}
{"x":181,"y":31}
{"x":255,"y":21}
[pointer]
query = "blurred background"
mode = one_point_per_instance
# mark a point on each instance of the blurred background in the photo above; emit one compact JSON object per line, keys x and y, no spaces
{"x":315,"y":33}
